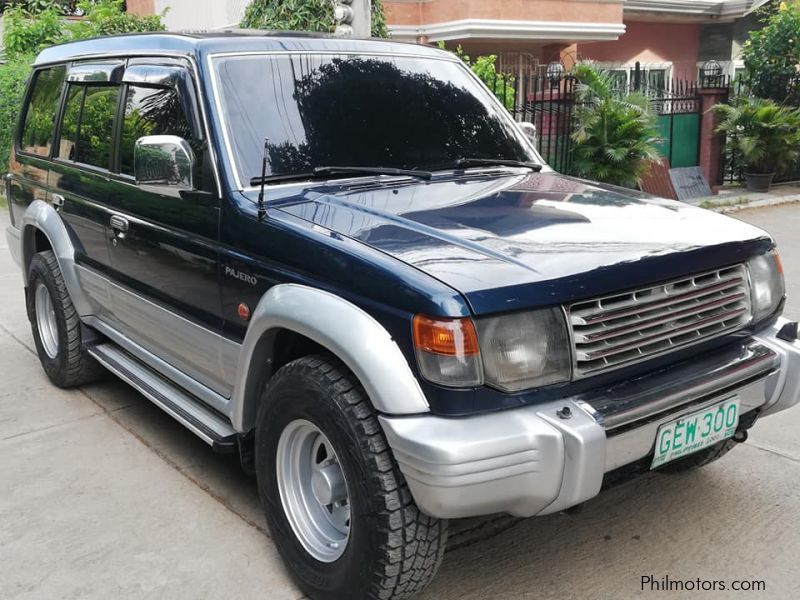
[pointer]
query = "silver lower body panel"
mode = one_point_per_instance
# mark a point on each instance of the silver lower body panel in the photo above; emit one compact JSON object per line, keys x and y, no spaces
{"x":533,"y":461}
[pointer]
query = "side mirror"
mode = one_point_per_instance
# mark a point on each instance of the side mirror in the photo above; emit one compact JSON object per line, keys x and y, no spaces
{"x":164,"y":160}
{"x":529,"y":129}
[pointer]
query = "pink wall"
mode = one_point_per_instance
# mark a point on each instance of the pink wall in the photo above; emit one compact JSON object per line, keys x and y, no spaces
{"x":651,"y":42}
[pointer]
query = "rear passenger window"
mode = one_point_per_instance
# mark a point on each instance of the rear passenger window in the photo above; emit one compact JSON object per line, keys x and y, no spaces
{"x":87,"y":127}
{"x":151,"y":111}
{"x":39,"y":128}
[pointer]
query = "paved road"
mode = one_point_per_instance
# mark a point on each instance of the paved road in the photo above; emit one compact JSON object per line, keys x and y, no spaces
{"x":103,"y":496}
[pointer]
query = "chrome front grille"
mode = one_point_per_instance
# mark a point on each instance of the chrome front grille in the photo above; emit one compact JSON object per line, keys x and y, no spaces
{"x":617,"y":330}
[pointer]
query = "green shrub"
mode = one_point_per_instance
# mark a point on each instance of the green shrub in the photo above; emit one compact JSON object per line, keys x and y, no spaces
{"x":616,"y":135}
{"x":13,"y":77}
{"x":762,"y":136}
{"x":25,"y":33}
{"x":304,"y":15}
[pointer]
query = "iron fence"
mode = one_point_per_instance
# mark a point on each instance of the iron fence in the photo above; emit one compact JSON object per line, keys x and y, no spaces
{"x":546,"y":102}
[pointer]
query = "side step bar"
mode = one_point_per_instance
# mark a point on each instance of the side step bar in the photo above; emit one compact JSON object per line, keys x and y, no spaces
{"x":208,"y":425}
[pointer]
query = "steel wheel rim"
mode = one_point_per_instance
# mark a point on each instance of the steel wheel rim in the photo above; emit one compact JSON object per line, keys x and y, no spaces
{"x":46,"y":320}
{"x":313,"y":490}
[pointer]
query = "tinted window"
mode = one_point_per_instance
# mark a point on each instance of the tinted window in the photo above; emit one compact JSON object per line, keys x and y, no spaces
{"x":151,"y":111}
{"x":392,"y":111}
{"x":39,"y":128}
{"x":88,"y":124}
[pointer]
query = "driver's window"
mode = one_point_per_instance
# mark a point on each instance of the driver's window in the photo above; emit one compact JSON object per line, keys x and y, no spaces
{"x":152,"y":111}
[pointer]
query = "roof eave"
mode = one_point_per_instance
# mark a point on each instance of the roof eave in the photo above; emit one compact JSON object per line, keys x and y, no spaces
{"x":508,"y":30}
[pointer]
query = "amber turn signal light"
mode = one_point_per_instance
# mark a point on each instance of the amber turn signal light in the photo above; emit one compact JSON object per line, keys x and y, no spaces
{"x":446,"y":337}
{"x":778,"y":262}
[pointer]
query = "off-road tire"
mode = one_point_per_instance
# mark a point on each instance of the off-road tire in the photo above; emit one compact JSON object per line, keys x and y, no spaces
{"x":72,"y":365}
{"x":699,"y":459}
{"x":394,"y":550}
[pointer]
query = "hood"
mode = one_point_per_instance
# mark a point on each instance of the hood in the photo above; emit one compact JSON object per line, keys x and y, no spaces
{"x":512,"y":240}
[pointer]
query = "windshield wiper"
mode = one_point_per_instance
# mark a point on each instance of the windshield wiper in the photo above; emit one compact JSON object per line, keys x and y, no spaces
{"x":461,"y":163}
{"x":326,"y":171}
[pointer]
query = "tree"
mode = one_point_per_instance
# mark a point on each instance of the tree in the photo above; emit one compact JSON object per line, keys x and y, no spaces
{"x":616,"y":135}
{"x":772,"y":54}
{"x":304,"y":15}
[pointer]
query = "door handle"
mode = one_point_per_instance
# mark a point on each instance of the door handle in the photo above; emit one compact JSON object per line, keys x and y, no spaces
{"x":120,"y":226}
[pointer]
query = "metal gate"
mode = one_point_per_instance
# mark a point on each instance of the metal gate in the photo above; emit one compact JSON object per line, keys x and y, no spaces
{"x":548,"y":103}
{"x":678,"y":122}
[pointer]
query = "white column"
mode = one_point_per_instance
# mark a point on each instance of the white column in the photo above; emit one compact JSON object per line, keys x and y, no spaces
{"x":353,"y":17}
{"x":362,"y":18}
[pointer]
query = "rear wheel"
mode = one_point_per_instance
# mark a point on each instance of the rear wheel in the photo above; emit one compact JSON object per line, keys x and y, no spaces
{"x":336,"y":503}
{"x":56,"y":326}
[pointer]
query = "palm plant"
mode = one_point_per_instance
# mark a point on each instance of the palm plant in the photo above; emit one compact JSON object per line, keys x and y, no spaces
{"x":762,"y":135}
{"x":616,"y":134}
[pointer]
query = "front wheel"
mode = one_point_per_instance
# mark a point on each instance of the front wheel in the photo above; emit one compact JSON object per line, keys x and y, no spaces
{"x":338,"y":508}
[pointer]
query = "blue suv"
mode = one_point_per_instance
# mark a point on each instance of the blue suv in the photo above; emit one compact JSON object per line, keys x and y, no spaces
{"x":344,"y":261}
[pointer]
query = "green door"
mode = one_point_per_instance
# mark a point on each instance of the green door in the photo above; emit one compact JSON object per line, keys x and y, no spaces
{"x":680,"y":136}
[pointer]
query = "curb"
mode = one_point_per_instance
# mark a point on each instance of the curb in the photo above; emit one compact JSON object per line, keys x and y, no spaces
{"x":748,"y":204}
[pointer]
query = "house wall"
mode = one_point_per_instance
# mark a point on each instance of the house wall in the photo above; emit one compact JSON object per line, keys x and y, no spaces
{"x":414,"y":12}
{"x":651,"y":42}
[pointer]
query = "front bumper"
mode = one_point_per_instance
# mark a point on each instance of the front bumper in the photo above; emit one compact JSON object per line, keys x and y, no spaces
{"x":541,"y":459}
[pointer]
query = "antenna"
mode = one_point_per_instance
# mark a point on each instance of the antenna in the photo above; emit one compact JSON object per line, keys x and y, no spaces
{"x":262,"y":211}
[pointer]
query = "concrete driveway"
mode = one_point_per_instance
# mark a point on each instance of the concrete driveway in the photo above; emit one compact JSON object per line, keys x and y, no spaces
{"x":104,"y":496}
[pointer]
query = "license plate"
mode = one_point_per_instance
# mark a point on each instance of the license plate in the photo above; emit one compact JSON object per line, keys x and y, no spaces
{"x":696,"y":431}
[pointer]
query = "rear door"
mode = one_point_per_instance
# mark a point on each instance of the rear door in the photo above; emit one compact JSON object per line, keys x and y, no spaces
{"x":163,"y":240}
{"x":80,"y":170}
{"x":29,"y":162}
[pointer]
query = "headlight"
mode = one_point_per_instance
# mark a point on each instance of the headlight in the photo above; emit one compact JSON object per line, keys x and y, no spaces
{"x":766,"y":284}
{"x":525,"y":350}
{"x":447,"y":351}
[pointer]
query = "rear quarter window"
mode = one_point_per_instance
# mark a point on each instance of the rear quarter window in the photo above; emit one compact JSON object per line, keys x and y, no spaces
{"x":38,"y":128}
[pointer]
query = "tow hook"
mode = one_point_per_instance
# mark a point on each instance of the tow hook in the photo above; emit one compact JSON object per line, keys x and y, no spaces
{"x":740,"y":437}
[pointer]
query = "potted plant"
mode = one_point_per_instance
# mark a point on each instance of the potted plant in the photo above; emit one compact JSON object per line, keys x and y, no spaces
{"x":764,"y":138}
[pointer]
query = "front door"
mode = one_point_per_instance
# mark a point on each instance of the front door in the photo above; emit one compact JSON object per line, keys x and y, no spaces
{"x":163,"y":242}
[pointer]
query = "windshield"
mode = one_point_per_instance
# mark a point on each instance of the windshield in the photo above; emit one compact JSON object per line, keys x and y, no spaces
{"x":319,"y":110}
